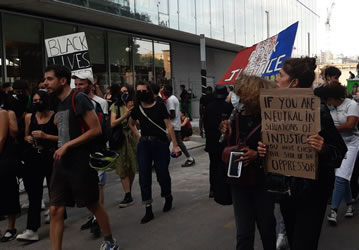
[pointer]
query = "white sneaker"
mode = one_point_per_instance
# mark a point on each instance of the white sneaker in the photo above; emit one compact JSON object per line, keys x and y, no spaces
{"x":25,"y":205}
{"x":47,"y":212}
{"x":332,"y":217}
{"x":28,"y":235}
{"x":47,"y":219}
{"x":282,"y":242}
{"x":43,"y":206}
{"x":350,"y":211}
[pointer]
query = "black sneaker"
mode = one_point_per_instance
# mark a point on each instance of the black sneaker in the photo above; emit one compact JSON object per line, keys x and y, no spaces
{"x":8,"y":235}
{"x":95,"y":229}
{"x":88,"y":224}
{"x":168,"y":204}
{"x":127,"y":201}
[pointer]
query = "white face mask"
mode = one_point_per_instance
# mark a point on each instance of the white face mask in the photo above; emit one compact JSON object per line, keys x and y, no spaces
{"x":331,"y":107}
{"x":234,"y":99}
{"x":290,"y":84}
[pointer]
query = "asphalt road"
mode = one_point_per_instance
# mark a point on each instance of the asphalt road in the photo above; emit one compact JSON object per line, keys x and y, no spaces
{"x":196,"y":222}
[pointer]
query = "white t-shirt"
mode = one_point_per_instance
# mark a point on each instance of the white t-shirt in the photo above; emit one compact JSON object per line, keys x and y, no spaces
{"x":340,"y":115}
{"x":173,"y":104}
{"x":102,"y":102}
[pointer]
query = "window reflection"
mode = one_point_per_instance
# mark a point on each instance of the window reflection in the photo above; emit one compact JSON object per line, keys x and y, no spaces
{"x":120,"y":50}
{"x":53,"y":29}
{"x":203,"y":11}
{"x":187,"y":16}
{"x":162,"y":62}
{"x":217,"y":19}
{"x":148,"y":9}
{"x":23,"y":49}
{"x":229,"y":14}
{"x":143,"y":60}
{"x":96,"y":44}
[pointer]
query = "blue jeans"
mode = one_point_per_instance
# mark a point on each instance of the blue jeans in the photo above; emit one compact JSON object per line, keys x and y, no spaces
{"x":158,"y":152}
{"x":253,"y":206}
{"x":341,"y":191}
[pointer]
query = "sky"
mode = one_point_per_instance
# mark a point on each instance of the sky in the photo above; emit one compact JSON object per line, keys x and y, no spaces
{"x":344,"y":35}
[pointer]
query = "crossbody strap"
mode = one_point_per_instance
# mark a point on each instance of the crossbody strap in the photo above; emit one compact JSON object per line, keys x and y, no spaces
{"x":252,"y":132}
{"x":145,"y":115}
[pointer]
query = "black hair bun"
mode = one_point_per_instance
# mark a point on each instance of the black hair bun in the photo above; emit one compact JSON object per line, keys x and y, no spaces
{"x":311,"y":63}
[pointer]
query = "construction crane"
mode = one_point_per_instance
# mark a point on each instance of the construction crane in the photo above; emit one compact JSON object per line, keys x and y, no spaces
{"x":327,"y":30}
{"x":329,"y":15}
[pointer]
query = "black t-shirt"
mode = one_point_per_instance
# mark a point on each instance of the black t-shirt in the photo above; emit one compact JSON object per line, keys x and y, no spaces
{"x":69,"y":125}
{"x":157,"y":113}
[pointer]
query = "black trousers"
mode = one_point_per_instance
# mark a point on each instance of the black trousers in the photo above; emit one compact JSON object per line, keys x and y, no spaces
{"x":215,"y":160}
{"x":37,"y":168}
{"x":303,"y":216}
{"x":253,"y":206}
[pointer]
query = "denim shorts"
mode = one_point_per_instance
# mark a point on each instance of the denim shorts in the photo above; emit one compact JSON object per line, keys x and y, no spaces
{"x":102,"y":177}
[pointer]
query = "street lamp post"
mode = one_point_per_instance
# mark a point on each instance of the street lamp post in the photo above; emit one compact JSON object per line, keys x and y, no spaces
{"x":203,"y":63}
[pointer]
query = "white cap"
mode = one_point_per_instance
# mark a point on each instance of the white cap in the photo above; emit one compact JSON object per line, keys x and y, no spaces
{"x":83,"y":75}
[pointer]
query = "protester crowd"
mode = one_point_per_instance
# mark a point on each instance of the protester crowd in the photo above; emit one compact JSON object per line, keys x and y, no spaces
{"x":71,"y":137}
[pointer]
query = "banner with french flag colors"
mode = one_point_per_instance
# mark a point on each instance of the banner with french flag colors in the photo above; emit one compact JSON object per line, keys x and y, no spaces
{"x":264,"y":58}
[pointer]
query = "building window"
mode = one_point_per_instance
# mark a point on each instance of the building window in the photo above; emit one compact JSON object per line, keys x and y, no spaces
{"x":162,"y":62}
{"x":53,"y":29}
{"x":143,"y":60}
{"x":96,"y":44}
{"x":23,"y":49}
{"x":119,"y":47}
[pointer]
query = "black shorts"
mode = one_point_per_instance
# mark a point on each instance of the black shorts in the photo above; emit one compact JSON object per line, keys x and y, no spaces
{"x":73,"y":182}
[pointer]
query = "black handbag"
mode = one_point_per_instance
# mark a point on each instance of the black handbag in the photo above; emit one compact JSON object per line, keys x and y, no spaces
{"x":117,"y":136}
{"x":223,"y":193}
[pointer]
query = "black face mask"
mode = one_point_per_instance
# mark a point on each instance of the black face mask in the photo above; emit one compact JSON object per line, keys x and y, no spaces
{"x":38,"y":107}
{"x":144,"y":96}
{"x":21,"y":97}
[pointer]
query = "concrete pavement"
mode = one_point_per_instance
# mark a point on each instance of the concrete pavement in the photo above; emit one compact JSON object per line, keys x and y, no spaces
{"x":196,"y":222}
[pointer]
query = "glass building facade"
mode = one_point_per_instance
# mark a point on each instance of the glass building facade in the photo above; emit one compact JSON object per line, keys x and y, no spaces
{"x":125,"y":56}
{"x":243,"y":22}
{"x":115,"y":57}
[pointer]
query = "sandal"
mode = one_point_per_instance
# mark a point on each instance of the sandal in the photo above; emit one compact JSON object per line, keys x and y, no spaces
{"x":9,"y":235}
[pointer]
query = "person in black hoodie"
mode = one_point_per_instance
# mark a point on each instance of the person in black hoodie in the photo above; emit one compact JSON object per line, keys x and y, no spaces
{"x":303,"y":211}
{"x":214,"y":113}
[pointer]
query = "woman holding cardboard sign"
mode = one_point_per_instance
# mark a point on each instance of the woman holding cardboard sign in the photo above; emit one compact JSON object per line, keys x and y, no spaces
{"x":251,"y":202}
{"x":303,"y":208}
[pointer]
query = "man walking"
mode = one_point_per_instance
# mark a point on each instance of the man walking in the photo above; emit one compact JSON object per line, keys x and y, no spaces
{"x":73,"y":181}
{"x":172,"y":105}
{"x":84,"y":82}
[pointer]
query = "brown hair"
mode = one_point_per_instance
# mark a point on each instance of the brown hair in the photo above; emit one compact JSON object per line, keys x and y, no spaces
{"x":248,"y":89}
{"x":301,"y":69}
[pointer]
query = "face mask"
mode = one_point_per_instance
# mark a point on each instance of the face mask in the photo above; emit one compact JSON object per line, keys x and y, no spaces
{"x":235,"y":99}
{"x":331,"y":107}
{"x":144,"y":96}
{"x":38,"y":106}
{"x":124,"y":97}
{"x":290,"y":84}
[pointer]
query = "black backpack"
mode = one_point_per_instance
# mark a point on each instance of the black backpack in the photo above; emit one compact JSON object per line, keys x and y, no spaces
{"x":100,"y":142}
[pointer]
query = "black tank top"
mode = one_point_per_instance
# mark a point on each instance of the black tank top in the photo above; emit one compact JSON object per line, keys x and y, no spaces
{"x":48,"y":128}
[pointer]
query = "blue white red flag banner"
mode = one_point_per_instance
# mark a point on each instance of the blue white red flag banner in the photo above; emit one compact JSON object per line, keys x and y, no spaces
{"x":264,"y":58}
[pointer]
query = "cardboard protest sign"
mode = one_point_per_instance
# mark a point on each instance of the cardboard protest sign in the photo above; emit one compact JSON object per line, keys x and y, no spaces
{"x":69,"y":50}
{"x":264,"y":58}
{"x":289,"y":117}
